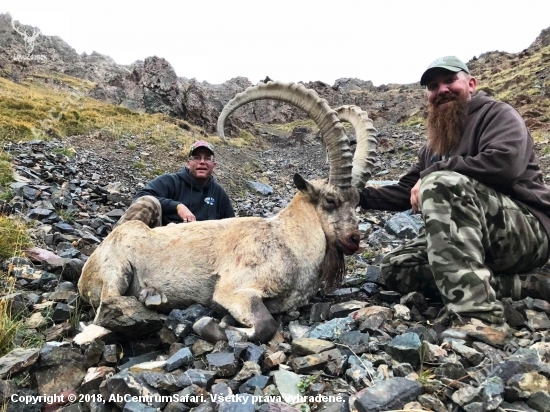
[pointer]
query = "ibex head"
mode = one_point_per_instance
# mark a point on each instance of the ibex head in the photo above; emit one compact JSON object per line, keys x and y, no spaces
{"x":29,"y":39}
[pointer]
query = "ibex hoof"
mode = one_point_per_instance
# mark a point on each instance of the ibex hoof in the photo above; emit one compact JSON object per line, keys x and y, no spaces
{"x":151,"y":297}
{"x":209,"y":329}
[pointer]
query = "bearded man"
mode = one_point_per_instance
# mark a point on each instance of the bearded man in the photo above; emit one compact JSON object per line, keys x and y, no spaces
{"x":479,"y":188}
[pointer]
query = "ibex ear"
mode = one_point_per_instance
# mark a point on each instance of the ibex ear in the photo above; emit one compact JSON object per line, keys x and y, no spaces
{"x":305,"y":187}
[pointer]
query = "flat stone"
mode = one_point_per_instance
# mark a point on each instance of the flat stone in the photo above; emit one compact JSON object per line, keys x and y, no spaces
{"x":320,"y":312}
{"x":287,"y":384}
{"x":362,"y":314}
{"x":305,"y":364}
{"x":180,"y":358}
{"x":487,"y":334}
{"x":522,"y":386}
{"x":310,"y":346}
{"x":537,"y":320}
{"x":513,"y":317}
{"x":451,"y":370}
{"x":472,"y":355}
{"x":342,"y":310}
{"x":390,"y":394}
{"x":356,"y":341}
{"x":17,"y":360}
{"x":332,"y":329}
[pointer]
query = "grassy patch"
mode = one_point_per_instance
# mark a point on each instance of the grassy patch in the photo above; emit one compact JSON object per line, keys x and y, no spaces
{"x":541,"y":136}
{"x":8,"y":327}
{"x":243,"y":139}
{"x":13,"y":237}
{"x":289,"y":127}
{"x":413,"y":121}
{"x":45,"y":106}
{"x":6,"y":170}
{"x":65,"y":151}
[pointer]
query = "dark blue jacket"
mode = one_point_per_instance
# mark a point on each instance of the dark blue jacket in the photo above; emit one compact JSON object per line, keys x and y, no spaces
{"x":209,"y":202}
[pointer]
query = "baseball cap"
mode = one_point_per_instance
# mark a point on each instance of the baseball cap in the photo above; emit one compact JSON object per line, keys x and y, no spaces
{"x":451,"y":63}
{"x":201,"y":143}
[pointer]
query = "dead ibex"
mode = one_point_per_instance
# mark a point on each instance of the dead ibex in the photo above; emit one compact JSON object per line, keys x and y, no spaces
{"x":249,"y":266}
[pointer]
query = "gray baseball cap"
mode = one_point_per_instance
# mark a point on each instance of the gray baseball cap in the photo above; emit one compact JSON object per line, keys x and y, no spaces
{"x":451,"y":63}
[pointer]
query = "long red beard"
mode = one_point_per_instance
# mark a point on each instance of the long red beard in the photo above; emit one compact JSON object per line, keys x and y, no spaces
{"x":446,"y":123}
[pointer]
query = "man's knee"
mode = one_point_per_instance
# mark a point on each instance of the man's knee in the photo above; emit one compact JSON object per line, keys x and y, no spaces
{"x":443,"y":185}
{"x":444,"y":178}
{"x":145,"y":208}
{"x":148,"y":201}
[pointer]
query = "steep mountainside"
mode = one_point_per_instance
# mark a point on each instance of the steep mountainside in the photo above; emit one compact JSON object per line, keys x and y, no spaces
{"x":152,"y":86}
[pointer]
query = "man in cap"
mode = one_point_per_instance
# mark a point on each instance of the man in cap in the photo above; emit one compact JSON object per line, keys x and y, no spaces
{"x":479,"y":188}
{"x":190,"y":195}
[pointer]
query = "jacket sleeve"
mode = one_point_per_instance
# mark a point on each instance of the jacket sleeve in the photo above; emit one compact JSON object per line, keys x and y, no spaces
{"x":397,"y":197}
{"x":503,"y":150}
{"x":164,"y":189}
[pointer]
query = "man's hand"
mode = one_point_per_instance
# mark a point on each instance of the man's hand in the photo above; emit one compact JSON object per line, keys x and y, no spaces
{"x":415,"y":196}
{"x":185,"y":214}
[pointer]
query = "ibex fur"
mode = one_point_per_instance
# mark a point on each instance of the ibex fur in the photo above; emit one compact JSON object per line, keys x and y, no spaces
{"x":250,"y":267}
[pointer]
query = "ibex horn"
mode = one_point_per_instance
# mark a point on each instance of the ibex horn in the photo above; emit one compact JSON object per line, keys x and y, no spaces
{"x":334,"y":135}
{"x":365,"y":152}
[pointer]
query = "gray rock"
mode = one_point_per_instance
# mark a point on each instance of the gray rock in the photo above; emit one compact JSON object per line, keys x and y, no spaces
{"x":260,"y":188}
{"x":356,"y":341}
{"x":450,"y":370}
{"x":59,"y":369}
{"x":309,"y":346}
{"x":405,"y":225}
{"x":180,"y":358}
{"x":332,"y":329}
{"x":223,"y":363}
{"x":405,"y":348}
{"x":16,"y":361}
{"x":287,"y":384}
{"x":199,"y":377}
{"x":387,"y":395}
{"x":128,"y":317}
{"x":133,"y":406}
{"x":540,"y":401}
{"x":320,"y":312}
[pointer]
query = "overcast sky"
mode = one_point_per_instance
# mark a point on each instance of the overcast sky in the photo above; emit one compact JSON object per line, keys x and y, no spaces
{"x":385,"y":41}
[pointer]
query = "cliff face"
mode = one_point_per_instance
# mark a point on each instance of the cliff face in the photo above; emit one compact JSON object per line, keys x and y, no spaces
{"x":152,"y":85}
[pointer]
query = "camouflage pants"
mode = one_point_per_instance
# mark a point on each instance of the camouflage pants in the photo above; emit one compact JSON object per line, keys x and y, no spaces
{"x":473,"y":234}
{"x":147,"y":209}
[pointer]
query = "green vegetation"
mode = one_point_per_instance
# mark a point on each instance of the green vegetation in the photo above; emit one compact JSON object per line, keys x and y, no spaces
{"x":65,"y":151}
{"x":289,"y":127}
{"x":413,"y":121}
{"x":13,"y":237}
{"x":244,"y":139}
{"x":6,"y":170}
{"x":67,"y":215}
{"x":33,"y":109}
{"x":8,"y":327}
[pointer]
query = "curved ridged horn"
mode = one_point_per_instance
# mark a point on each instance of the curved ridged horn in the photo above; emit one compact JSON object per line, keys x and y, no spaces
{"x":336,"y":140}
{"x":365,"y":152}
